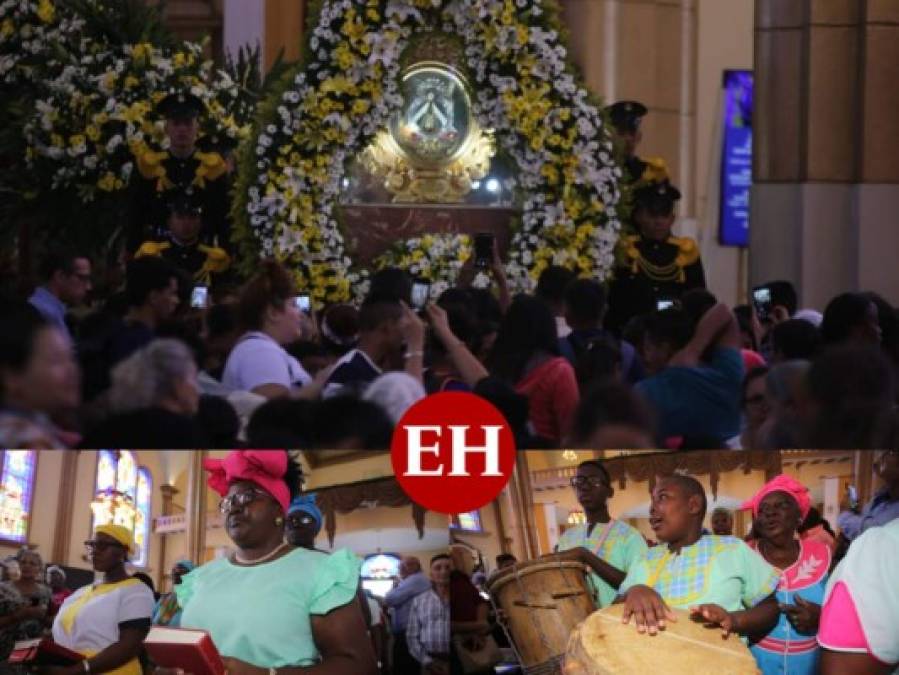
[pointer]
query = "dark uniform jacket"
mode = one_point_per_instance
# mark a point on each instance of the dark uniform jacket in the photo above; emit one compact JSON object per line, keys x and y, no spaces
{"x":160,"y":177}
{"x":650,"y":271}
{"x":198,"y":260}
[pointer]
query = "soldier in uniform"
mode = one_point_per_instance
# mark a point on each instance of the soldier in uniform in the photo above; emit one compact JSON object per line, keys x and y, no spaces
{"x":183,"y":166}
{"x":654,"y":267}
{"x":182,"y":245}
{"x":626,"y":117}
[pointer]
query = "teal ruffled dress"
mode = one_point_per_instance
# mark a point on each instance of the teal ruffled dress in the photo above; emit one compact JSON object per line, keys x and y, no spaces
{"x":261,"y":614}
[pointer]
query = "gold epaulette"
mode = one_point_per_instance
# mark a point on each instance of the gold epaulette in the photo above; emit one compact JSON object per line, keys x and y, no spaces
{"x":656,"y":170}
{"x":212,"y":166}
{"x":687,"y":250}
{"x":217,"y":261}
{"x":152,"y":249}
{"x":149,"y":164}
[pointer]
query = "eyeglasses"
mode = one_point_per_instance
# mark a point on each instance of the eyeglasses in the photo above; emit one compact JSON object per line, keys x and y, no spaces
{"x":240,"y":500}
{"x":300,"y":520}
{"x":97,"y":545}
{"x":584,"y":481}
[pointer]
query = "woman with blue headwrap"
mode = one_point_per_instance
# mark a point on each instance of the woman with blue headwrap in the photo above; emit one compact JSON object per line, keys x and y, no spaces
{"x":167,"y":611}
{"x":304,"y":521}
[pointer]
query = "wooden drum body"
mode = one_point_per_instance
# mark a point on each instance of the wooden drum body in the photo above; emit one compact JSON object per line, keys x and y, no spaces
{"x":542,"y":601}
{"x":602,"y":645}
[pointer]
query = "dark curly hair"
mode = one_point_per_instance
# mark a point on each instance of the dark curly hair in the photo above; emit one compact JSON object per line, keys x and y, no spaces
{"x":293,"y":476}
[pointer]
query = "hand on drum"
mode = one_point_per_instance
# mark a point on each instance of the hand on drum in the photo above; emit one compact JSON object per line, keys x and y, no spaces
{"x":715,"y":615}
{"x":647,"y":608}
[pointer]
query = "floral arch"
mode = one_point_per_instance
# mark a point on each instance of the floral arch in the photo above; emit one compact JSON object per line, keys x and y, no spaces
{"x":346,"y":91}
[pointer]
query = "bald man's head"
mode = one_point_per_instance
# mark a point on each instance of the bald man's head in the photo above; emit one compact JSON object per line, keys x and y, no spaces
{"x":409,"y":565}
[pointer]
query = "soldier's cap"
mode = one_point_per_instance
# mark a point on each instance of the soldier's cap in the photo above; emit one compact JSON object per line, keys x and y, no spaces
{"x":657,"y":198}
{"x":626,"y":115}
{"x":180,"y":105}
{"x":184,"y":203}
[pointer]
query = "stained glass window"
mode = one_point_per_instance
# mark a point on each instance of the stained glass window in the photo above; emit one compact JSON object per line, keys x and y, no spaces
{"x":142,"y":520}
{"x":470,"y":522}
{"x":378,"y":572}
{"x":124,"y":496}
{"x":16,"y":489}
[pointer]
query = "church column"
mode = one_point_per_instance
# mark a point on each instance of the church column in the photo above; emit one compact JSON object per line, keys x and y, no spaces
{"x":646,"y":52}
{"x":864,"y":475}
{"x":168,"y":494}
{"x":825,"y":180}
{"x":65,"y":507}
{"x":273,"y":24}
{"x":196,"y":507}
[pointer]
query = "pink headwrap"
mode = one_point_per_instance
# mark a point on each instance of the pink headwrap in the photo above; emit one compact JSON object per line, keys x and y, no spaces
{"x":781,"y":483}
{"x":266,"y":468}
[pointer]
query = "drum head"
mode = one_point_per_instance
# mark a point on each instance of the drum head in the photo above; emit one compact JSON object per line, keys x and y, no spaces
{"x":602,"y":645}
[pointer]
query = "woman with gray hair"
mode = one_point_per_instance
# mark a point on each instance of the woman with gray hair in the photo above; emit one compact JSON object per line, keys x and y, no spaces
{"x":154,"y":398}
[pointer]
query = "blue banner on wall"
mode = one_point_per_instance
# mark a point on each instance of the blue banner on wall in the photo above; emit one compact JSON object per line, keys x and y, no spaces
{"x":736,"y":159}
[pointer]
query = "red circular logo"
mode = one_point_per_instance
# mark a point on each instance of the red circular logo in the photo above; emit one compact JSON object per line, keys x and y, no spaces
{"x":453,"y":452}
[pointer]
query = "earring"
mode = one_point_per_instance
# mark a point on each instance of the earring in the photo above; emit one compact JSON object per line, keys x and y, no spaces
{"x":279,"y":521}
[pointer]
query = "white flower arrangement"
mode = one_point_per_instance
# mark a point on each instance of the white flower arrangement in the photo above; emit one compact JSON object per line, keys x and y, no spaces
{"x":436,"y":258}
{"x":100,"y":114}
{"x":347,"y":92}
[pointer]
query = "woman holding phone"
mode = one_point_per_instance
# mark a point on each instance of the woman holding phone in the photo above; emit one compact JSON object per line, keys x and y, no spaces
{"x":270,"y":315}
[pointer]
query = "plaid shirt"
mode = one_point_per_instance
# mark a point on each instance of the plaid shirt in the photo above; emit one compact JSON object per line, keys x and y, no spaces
{"x":428,"y":631}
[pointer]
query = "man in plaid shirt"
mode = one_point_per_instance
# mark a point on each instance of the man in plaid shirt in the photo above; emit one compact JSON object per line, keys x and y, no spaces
{"x":428,"y":630}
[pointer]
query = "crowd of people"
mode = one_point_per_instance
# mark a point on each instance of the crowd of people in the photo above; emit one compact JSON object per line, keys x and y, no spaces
{"x":300,"y":607}
{"x":173,"y":350}
{"x":145,"y":369}
{"x":806,"y":599}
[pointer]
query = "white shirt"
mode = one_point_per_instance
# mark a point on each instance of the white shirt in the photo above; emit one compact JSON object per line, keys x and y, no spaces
{"x":257,"y":360}
{"x":97,"y":622}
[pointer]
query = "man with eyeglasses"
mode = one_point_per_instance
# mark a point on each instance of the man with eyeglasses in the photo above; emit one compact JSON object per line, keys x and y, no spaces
{"x":608,"y":546}
{"x":884,"y":505}
{"x":66,"y":277}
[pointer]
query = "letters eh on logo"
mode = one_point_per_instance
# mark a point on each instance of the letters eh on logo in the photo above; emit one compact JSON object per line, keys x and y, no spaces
{"x":453,"y":452}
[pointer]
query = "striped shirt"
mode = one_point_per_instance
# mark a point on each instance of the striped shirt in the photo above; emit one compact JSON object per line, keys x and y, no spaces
{"x":428,"y":631}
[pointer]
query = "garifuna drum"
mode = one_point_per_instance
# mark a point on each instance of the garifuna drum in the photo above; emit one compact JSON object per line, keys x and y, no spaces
{"x":602,"y":645}
{"x":542,"y":601}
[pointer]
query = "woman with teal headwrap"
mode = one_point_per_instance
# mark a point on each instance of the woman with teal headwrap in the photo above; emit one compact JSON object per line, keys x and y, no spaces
{"x":167,"y":611}
{"x":304,"y":521}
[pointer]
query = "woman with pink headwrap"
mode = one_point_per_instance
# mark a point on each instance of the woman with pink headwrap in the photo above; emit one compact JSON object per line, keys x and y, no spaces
{"x":271,"y":607}
{"x":803,"y":564}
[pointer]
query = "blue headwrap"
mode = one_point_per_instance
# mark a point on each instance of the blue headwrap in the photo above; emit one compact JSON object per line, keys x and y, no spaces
{"x":306,"y":502}
{"x":186,"y":564}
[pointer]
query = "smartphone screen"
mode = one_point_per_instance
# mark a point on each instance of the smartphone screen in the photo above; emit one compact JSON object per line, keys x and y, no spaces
{"x":420,"y":292}
{"x":762,"y":299}
{"x":199,"y":296}
{"x":483,"y":249}
{"x":303,"y":303}
{"x":664,"y":304}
